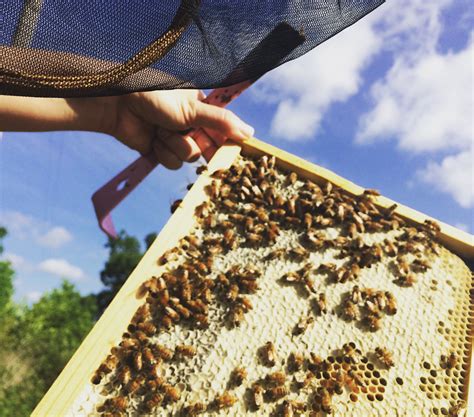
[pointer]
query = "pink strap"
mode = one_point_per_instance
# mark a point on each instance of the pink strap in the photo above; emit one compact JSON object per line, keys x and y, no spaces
{"x":107,"y":197}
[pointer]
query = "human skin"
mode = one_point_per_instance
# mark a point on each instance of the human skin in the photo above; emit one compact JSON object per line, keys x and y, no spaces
{"x":153,"y":121}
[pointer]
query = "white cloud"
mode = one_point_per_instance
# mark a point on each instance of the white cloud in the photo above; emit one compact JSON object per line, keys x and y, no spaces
{"x":55,"y":237}
{"x":17,"y":223}
{"x":454,"y":176}
{"x":33,"y":296}
{"x":17,"y":261}
{"x":24,"y":226}
{"x":305,"y":88}
{"x":426,"y":105}
{"x":61,"y":268}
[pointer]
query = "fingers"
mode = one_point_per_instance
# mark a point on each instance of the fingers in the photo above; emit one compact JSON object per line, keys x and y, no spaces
{"x":172,"y":149}
{"x":165,"y":156}
{"x":206,"y":144}
{"x":219,"y":119}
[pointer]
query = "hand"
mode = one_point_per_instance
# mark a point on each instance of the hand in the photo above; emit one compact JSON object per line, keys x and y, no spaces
{"x":152,"y":122}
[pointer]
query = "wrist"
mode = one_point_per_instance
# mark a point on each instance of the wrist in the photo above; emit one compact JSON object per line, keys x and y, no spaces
{"x":97,"y":114}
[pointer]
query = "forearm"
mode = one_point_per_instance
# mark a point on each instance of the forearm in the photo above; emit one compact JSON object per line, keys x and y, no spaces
{"x":29,"y":114}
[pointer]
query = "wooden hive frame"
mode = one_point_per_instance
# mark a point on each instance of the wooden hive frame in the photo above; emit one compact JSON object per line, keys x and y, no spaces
{"x":108,"y":330}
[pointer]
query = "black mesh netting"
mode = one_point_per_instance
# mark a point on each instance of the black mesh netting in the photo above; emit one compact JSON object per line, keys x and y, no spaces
{"x":102,"y":47}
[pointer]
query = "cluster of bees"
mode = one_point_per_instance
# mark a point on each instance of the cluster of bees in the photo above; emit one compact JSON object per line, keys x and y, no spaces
{"x":320,"y":379}
{"x":368,"y":306}
{"x":247,"y":210}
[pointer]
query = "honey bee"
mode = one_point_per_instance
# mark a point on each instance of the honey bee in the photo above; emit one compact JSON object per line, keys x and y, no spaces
{"x":455,"y":410}
{"x":372,"y":307}
{"x":168,"y":256}
{"x":193,"y":409}
{"x":172,"y":393}
{"x":118,"y":403}
{"x":450,"y":361}
{"x":276,"y":378}
{"x":253,"y":239}
{"x":229,"y":204}
{"x":384,"y":356}
{"x":238,"y":376}
{"x":391,"y":306}
{"x":408,"y":280}
{"x":175,"y":205}
{"x":155,"y":371}
{"x":163,"y":352}
{"x":212,"y":189}
{"x":245,"y":302}
{"x":201,"y":320}
{"x":166,"y":322}
{"x":432,"y":226}
{"x":232,"y":293}
{"x":237,"y":316}
{"x":292,"y":177}
{"x":277,"y":393}
{"x":303,"y":324}
{"x":198,"y":306}
{"x":352,"y":230}
{"x":275,"y":254}
{"x":287,"y":409}
{"x":321,"y":303}
{"x":307,"y":221}
{"x":326,"y":400}
{"x":257,"y":395}
{"x":269,"y":354}
{"x":356,"y":295}
{"x":105,"y":367}
{"x":353,"y":380}
{"x":315,"y":362}
{"x":390,"y":248}
{"x":374,"y":322}
{"x":155,"y":382}
{"x":200,"y":169}
{"x":183,"y":311}
{"x":153,"y":401}
{"x":304,"y":380}
{"x":225,"y":400}
{"x":298,"y":253}
{"x":137,"y":361}
{"x":351,"y":352}
{"x":171,"y":313}
{"x":134,"y":384}
{"x":296,"y":361}
{"x":371,"y":192}
{"x":163,"y":297}
{"x":124,"y":375}
{"x":185,"y":350}
{"x":209,"y":222}
{"x":219,"y":174}
{"x":381,"y":300}
{"x":147,"y":327}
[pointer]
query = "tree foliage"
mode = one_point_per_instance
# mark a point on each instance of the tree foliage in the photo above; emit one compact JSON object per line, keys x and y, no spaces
{"x":37,"y":341}
{"x":124,"y":254}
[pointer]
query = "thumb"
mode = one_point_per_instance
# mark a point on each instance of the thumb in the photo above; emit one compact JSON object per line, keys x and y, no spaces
{"x":221,"y":120}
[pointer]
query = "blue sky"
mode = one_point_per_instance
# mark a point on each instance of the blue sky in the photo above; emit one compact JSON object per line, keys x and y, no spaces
{"x":387,"y":103}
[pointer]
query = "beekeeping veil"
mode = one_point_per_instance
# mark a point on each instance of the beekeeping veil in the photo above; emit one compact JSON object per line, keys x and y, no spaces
{"x":68,"y":48}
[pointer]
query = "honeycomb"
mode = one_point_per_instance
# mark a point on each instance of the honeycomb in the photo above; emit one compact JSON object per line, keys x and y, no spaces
{"x":288,"y":298}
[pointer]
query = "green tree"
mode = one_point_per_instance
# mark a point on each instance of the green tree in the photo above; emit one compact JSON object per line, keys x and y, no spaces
{"x":6,"y":280}
{"x":44,"y":338}
{"x":124,"y":254}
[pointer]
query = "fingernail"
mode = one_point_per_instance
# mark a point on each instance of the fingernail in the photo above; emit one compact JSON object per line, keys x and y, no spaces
{"x":246,"y":130}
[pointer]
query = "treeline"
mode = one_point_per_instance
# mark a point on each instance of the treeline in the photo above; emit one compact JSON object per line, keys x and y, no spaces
{"x":37,"y":341}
